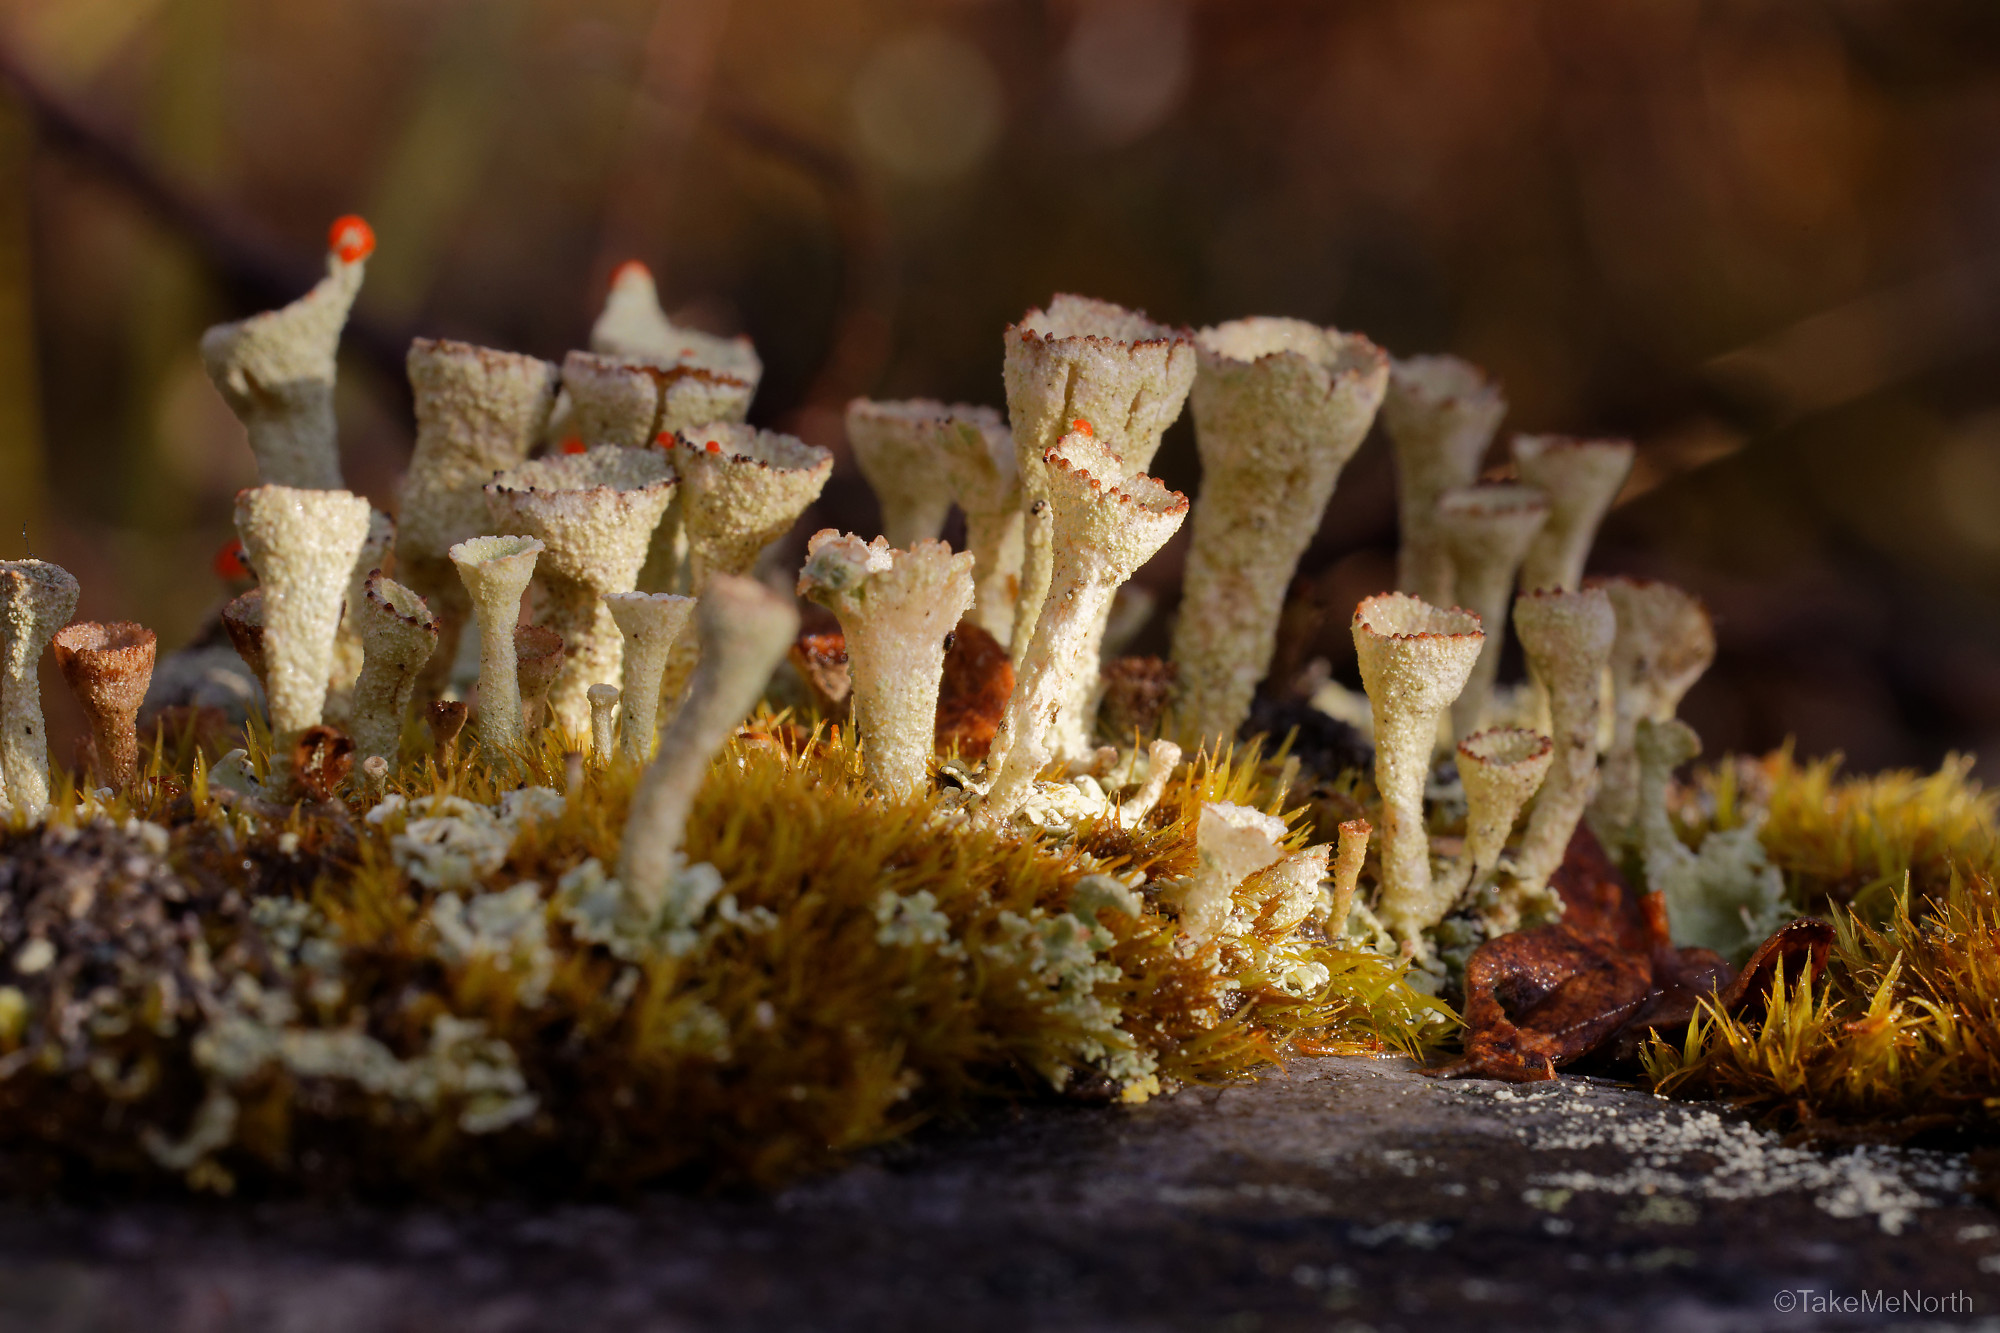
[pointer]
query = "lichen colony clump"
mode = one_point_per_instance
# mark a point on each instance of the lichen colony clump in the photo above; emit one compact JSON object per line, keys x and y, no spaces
{"x":697,"y":896}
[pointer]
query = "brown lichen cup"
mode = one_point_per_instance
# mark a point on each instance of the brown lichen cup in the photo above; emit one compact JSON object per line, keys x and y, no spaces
{"x":108,"y":666}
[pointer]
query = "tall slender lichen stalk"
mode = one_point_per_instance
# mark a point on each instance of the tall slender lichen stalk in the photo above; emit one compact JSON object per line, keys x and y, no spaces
{"x":1665,"y":641}
{"x":1581,"y":479}
{"x":398,"y":636}
{"x":276,"y":370}
{"x":1279,"y":407}
{"x":985,"y":480}
{"x":1415,"y":659}
{"x":1500,"y":770}
{"x":108,"y":667}
{"x":1486,"y":531}
{"x":303,"y":544}
{"x":36,"y":600}
{"x":1567,"y":637}
{"x":1090,"y":366}
{"x":651,"y":623}
{"x":496,"y":571}
{"x":478,"y":412}
{"x":744,"y":629}
{"x":896,"y":609}
{"x":1441,"y":413}
{"x":594,"y":513}
{"x":1103,"y":531}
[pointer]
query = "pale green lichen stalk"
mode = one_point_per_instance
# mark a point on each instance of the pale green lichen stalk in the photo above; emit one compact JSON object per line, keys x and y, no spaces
{"x":1665,"y":641}
{"x":479,"y":411}
{"x":604,"y":718}
{"x":1279,"y":407}
{"x":897,"y":610}
{"x":1501,"y":771}
{"x":896,"y":447}
{"x":398,"y":636}
{"x":496,"y":571}
{"x":1102,"y":532}
{"x":652,"y":622}
{"x":985,"y":480}
{"x":1567,"y":637}
{"x":1581,"y":479}
{"x":276,"y":369}
{"x":1441,"y":413}
{"x":303,"y":544}
{"x":36,"y":600}
{"x":1415,"y":659}
{"x":1486,"y":531}
{"x":594,"y":514}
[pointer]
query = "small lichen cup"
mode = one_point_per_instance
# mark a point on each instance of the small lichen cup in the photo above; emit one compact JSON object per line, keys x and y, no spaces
{"x":895,"y":445}
{"x":1415,"y":659}
{"x":985,"y":481}
{"x":1664,"y":642}
{"x":1501,"y":770}
{"x":652,"y":622}
{"x":897,"y":609}
{"x":1567,"y":637}
{"x":496,"y":571}
{"x":1486,"y":531}
{"x":398,"y":636}
{"x":1581,"y":478}
{"x":1440,"y":413}
{"x":108,"y":667}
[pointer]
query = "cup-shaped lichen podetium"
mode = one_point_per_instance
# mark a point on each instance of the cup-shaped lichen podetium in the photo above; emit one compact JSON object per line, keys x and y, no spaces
{"x":398,"y":636}
{"x":1103,"y":531}
{"x":1486,"y":530}
{"x":276,"y":370}
{"x":36,"y":600}
{"x":478,"y":412}
{"x":651,"y":623}
{"x":243,"y":620}
{"x":1567,"y":638}
{"x":303,"y":544}
{"x":1500,"y":770}
{"x":1441,"y":413}
{"x":1415,"y":659}
{"x":1097,"y":363}
{"x":1581,"y":479}
{"x":896,"y":447}
{"x":538,"y":660}
{"x":633,"y":327}
{"x":985,"y":480}
{"x":1664,"y":642}
{"x":896,"y":609}
{"x":108,"y":667}
{"x":745,"y":629}
{"x":741,"y":489}
{"x":604,"y":717}
{"x":1279,"y":407}
{"x":595,"y":513}
{"x":496,"y":571}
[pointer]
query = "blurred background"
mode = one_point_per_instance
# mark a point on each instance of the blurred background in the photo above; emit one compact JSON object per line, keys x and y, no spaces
{"x":1761,"y":239}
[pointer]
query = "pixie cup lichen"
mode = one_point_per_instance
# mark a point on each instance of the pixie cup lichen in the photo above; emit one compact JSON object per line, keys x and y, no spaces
{"x":479,"y":411}
{"x":652,"y":622}
{"x":1415,"y":659}
{"x":1664,"y":642}
{"x":108,"y":667}
{"x":303,"y":545}
{"x":1567,"y":638}
{"x":1486,"y":531}
{"x":1440,"y":414}
{"x":398,"y":636}
{"x":603,"y":719}
{"x":634,"y":327}
{"x":985,"y":480}
{"x":496,"y":571}
{"x":594,"y":513}
{"x":1500,"y":771}
{"x":896,"y":447}
{"x":896,"y":609}
{"x":1103,"y":531}
{"x":1581,"y":478}
{"x":741,"y":489}
{"x":539,"y":655}
{"x":276,"y":370}
{"x":1279,"y":407}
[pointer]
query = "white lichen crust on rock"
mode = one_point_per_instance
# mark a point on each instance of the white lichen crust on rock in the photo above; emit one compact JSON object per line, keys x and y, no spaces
{"x":1581,"y":479}
{"x":1279,"y":407}
{"x":1103,"y":530}
{"x":1486,"y":531}
{"x":398,"y":636}
{"x":496,"y":571}
{"x":1415,"y":659}
{"x":303,"y":544}
{"x":36,"y":600}
{"x":897,"y":610}
{"x":594,"y":513}
{"x":1441,"y":413}
{"x":1122,"y":374}
{"x":276,"y":370}
{"x":479,"y":411}
{"x":1567,"y":637}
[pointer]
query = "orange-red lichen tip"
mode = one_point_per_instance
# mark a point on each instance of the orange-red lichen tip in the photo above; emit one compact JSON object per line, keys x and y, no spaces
{"x":229,"y":560}
{"x":631,"y":268}
{"x":351,"y":238}
{"x":572,"y":445}
{"x":1082,"y":427}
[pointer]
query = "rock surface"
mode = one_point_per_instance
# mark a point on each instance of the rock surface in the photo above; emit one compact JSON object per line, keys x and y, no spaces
{"x":1343,"y":1194}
